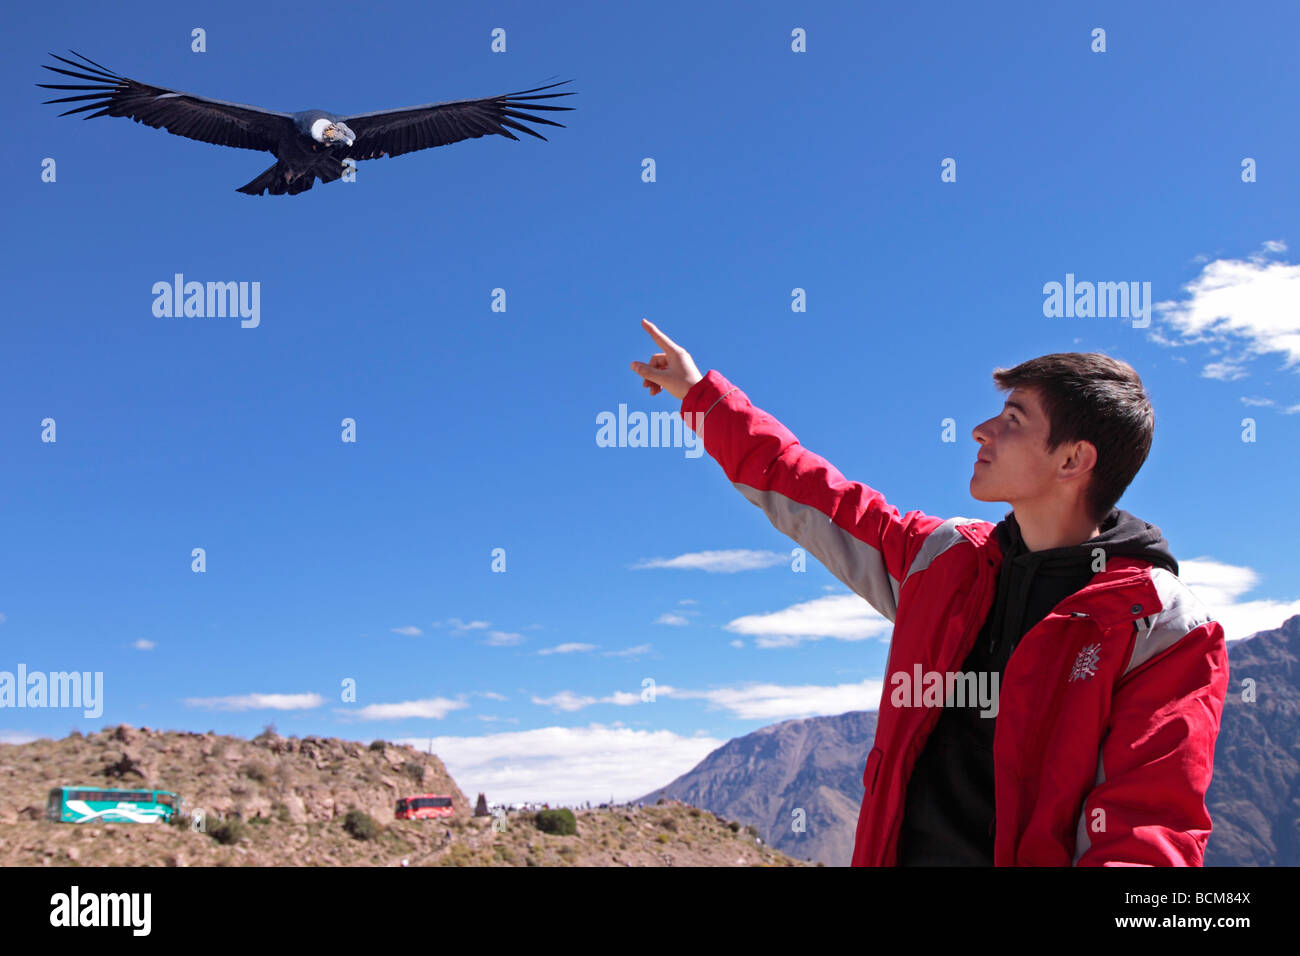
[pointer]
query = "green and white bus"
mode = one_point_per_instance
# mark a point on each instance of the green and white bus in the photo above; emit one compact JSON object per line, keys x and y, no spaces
{"x":110,"y":805}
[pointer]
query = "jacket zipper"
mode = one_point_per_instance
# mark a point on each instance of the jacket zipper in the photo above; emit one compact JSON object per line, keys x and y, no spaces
{"x":971,"y":623}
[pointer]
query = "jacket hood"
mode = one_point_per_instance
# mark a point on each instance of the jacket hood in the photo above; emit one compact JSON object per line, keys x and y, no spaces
{"x":1121,"y":534}
{"x":1031,"y":583}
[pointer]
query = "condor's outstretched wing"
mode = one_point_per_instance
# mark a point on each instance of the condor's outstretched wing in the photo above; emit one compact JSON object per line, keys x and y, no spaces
{"x":184,"y":114}
{"x":393,"y":132}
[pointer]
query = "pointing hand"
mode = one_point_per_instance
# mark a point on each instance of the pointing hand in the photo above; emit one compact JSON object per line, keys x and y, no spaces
{"x":672,"y":370}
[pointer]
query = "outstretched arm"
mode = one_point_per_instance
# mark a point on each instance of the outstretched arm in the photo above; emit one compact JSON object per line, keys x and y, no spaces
{"x":848,"y":526}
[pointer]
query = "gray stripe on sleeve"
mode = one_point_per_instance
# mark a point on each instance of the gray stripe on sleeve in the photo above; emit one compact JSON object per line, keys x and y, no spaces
{"x":937,"y":542}
{"x":850,"y":559}
{"x":1081,"y":839}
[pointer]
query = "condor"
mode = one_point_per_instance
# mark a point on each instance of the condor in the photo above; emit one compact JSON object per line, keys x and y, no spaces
{"x":308,"y":145}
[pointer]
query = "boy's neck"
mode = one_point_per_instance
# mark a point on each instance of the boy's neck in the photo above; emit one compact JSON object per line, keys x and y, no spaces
{"x":1045,"y":528}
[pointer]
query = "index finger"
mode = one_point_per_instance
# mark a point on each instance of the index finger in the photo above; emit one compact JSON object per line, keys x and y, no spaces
{"x":668,"y":344}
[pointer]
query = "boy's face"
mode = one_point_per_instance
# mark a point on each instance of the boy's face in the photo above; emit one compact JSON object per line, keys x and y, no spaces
{"x":1014,"y":464}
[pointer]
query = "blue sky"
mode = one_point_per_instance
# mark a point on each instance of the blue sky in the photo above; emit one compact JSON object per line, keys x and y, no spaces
{"x":774,"y":170}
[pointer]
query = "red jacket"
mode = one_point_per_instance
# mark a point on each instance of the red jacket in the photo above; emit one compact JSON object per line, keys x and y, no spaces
{"x":1108,"y":708}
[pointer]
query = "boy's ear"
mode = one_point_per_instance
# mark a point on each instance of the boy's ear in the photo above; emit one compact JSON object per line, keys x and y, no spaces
{"x":1083,"y":458}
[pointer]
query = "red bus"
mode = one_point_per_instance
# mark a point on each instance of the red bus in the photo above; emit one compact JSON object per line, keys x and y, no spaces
{"x":423,"y":807}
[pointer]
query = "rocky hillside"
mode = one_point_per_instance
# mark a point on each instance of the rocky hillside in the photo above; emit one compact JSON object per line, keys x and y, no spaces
{"x":312,"y":779}
{"x":278,"y":801}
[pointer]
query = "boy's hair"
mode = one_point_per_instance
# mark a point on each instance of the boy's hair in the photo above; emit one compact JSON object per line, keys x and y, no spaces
{"x":1091,"y":397}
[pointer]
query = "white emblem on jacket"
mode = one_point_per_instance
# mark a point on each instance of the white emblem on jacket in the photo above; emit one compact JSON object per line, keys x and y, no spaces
{"x":1085,"y":665}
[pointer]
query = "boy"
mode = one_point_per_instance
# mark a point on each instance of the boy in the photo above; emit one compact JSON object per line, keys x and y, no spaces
{"x":1099,"y":743}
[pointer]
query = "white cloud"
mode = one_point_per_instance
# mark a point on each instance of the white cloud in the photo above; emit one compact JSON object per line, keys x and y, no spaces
{"x":503,"y":638}
{"x":1250,"y":306}
{"x":457,"y":624}
{"x":772,"y":702}
{"x":143,"y":645}
{"x":748,"y":702}
{"x":717,"y":562}
{"x":24,"y":737}
{"x":433,"y":708}
{"x":258,"y":702}
{"x":567,"y":764}
{"x":845,"y":617}
{"x":567,"y":700}
{"x":1219,"y":586}
{"x":1246,"y":400}
{"x":409,"y":631}
{"x":629,"y":652}
{"x":493,"y":695}
{"x":1224,"y":371}
{"x":570,"y":648}
{"x":676,"y":620}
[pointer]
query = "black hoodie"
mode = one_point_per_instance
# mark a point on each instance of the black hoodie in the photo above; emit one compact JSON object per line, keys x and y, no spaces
{"x":948,"y":815}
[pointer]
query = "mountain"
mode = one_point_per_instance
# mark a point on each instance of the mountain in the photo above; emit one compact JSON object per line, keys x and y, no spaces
{"x":816,"y":764}
{"x":319,"y":801}
{"x":764,"y":778}
{"x":1254,"y":798}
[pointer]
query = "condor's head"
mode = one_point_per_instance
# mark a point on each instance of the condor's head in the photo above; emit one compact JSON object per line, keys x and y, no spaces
{"x":332,"y":132}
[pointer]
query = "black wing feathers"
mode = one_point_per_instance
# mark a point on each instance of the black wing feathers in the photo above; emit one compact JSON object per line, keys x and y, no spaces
{"x":184,"y":114}
{"x":393,"y":132}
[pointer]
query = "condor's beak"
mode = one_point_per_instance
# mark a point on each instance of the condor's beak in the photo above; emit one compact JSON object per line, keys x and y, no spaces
{"x":338,"y":132}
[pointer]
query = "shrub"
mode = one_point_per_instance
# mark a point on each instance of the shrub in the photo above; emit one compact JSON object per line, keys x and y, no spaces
{"x":268,"y":733}
{"x":559,"y":822}
{"x":735,"y":826}
{"x":694,"y":811}
{"x":414,"y":769}
{"x":663,"y":838}
{"x":361,"y":825}
{"x":281,"y":812}
{"x":228,"y":831}
{"x":669,"y":824}
{"x":255,"y":771}
{"x":377,"y":745}
{"x":458,"y":855}
{"x":504,"y":853}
